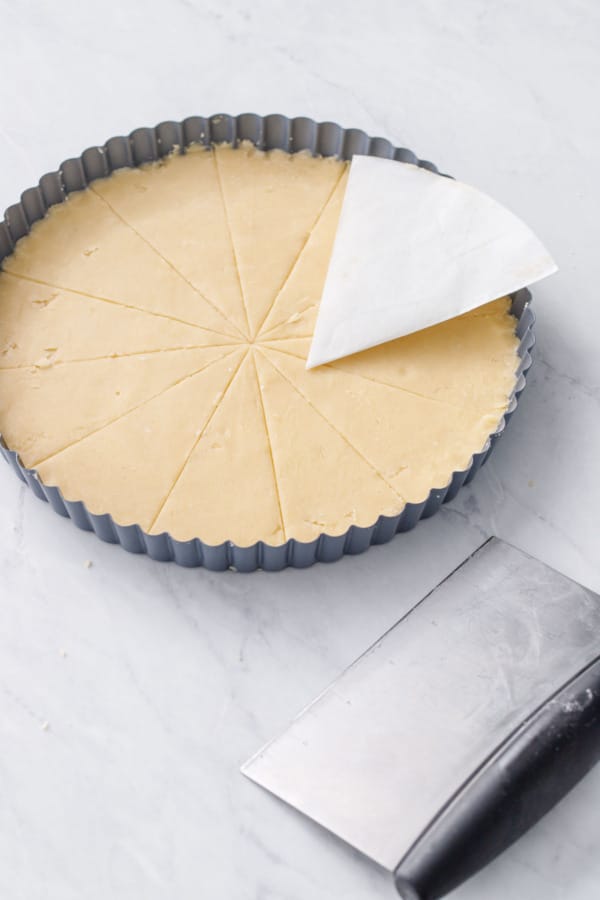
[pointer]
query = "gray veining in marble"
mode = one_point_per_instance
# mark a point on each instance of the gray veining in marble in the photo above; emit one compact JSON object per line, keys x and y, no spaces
{"x":131,"y":691}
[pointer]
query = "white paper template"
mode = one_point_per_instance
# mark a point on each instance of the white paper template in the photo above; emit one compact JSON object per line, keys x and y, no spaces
{"x":413,"y":249}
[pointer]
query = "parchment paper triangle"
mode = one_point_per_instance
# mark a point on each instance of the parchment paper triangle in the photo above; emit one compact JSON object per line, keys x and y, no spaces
{"x":412,"y":249}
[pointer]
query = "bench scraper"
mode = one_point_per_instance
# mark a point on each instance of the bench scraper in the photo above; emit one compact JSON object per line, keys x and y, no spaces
{"x":458,"y":729}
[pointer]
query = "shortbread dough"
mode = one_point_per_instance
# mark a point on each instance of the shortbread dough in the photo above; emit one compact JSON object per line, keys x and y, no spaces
{"x":154,"y":330}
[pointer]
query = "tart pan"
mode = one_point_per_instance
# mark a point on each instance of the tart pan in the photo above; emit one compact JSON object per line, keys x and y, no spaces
{"x":267,"y":133}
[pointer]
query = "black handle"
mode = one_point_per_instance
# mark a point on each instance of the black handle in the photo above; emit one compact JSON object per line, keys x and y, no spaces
{"x":523,"y":780}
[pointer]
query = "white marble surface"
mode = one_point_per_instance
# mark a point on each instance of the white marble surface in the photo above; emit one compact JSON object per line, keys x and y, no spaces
{"x":131,"y":691}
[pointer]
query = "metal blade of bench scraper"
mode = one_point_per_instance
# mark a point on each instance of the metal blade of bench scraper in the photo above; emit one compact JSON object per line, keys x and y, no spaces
{"x":380,"y":752}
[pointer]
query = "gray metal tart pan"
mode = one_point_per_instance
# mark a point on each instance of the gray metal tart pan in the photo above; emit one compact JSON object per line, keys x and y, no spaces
{"x":268,"y":132}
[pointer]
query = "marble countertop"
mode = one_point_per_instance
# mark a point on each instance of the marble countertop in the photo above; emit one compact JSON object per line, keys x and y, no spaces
{"x":131,"y":691}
